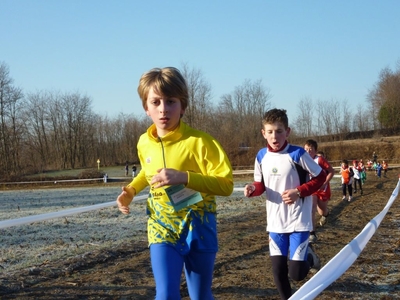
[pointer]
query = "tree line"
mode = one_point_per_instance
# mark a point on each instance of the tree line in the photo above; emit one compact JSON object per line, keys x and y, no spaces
{"x":47,"y":130}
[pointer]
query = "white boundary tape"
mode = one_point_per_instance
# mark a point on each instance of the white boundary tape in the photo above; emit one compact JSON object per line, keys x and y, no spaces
{"x":344,"y":259}
{"x":59,"y":214}
{"x":67,"y":212}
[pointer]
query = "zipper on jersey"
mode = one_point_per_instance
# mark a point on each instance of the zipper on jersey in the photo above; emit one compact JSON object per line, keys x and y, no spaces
{"x":162,"y":152}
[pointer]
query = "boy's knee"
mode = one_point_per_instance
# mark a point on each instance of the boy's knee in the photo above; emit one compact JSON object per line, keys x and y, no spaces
{"x":298,"y":270}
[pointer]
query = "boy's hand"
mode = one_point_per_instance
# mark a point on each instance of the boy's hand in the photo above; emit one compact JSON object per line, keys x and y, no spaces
{"x":290,"y":196}
{"x":168,"y":177}
{"x":125,"y":198}
{"x":249,"y":189}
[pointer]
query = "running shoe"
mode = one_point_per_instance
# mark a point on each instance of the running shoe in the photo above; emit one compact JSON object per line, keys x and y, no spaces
{"x":312,"y":238}
{"x":315,"y":261}
{"x":323,"y":220}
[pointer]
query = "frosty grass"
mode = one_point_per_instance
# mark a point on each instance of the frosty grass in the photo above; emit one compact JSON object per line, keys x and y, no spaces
{"x":33,"y":244}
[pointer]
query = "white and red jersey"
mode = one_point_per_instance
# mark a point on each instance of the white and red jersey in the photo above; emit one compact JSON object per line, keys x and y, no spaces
{"x":357,"y":171}
{"x":324,"y":164}
{"x":287,"y":169}
{"x":325,"y":193}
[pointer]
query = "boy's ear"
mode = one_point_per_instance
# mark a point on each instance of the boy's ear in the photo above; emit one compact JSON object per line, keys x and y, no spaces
{"x":288,"y":131}
{"x":263,"y":133}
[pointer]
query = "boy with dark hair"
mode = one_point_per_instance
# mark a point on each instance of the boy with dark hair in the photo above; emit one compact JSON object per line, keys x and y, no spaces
{"x":323,"y":195}
{"x":347,"y":175}
{"x":289,"y":176}
{"x":185,"y":168}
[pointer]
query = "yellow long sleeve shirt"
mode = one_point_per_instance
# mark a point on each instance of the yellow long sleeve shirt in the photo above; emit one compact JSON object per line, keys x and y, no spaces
{"x":209,"y":172}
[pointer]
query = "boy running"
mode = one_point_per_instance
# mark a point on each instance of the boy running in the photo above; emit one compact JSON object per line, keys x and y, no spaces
{"x":347,"y":179}
{"x":283,"y":171}
{"x":322,"y":196}
{"x":185,"y":168}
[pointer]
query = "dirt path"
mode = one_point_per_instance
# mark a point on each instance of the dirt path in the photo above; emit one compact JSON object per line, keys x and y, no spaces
{"x":242,"y":269}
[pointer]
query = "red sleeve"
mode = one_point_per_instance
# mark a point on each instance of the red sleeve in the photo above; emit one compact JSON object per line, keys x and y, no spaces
{"x":313,"y":185}
{"x":324,"y":164}
{"x":260,"y":189}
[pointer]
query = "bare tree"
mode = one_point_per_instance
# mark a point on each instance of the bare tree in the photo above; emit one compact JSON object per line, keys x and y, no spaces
{"x":70,"y":117}
{"x":362,"y":120}
{"x":199,"y":105}
{"x":241,"y":112}
{"x":77,"y":115}
{"x":17,"y":127}
{"x":345,"y":118}
{"x":5,"y":83}
{"x":131,"y":129}
{"x":10,"y":122}
{"x":335,"y":117}
{"x":38,"y":127}
{"x":304,"y":121}
{"x":324,"y":122}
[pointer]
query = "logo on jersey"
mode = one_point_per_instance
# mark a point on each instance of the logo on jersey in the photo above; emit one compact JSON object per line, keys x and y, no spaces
{"x":274,"y":172}
{"x":148,"y":160}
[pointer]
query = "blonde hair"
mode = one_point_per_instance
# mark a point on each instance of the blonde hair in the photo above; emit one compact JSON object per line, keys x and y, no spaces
{"x":167,"y":82}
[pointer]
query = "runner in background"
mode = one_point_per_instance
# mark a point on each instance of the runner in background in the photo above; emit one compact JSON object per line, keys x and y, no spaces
{"x":363,"y":173}
{"x":323,"y":195}
{"x":369,"y":165}
{"x":385,"y":167}
{"x":378,"y":170}
{"x":347,"y":179}
{"x":134,"y":168}
{"x":357,"y":176}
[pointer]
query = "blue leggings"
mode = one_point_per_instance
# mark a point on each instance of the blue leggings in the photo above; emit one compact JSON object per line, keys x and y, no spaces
{"x":167,"y":265}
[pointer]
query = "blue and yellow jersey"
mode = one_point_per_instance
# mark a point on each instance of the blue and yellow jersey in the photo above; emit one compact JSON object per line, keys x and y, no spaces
{"x":209,"y":172}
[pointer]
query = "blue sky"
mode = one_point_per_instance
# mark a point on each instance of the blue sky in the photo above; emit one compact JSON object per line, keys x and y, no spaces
{"x":321,"y":50}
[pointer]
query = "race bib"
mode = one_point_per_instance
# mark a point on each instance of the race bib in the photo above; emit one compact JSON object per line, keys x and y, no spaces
{"x":181,"y":197}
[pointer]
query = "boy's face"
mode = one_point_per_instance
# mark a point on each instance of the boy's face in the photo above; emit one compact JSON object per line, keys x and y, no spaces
{"x":164,"y":112}
{"x":310,"y":150}
{"x":275,"y":134}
